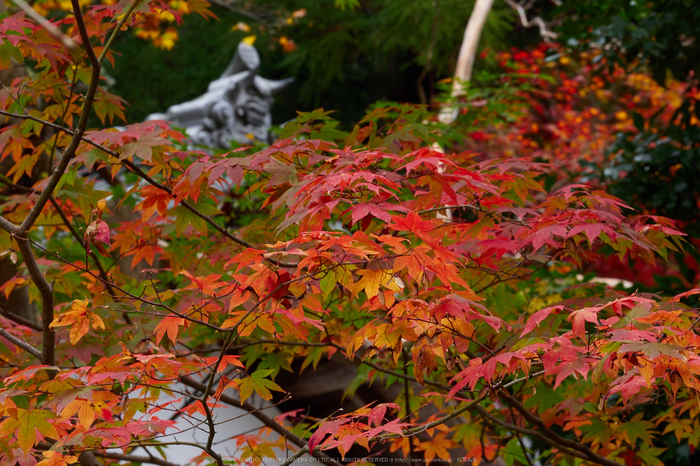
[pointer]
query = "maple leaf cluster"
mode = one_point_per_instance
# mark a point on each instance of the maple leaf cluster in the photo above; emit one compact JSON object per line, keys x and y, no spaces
{"x":564,"y":108}
{"x":438,"y":274}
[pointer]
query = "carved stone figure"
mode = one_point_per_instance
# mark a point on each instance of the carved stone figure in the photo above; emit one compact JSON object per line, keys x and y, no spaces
{"x":236,"y":107}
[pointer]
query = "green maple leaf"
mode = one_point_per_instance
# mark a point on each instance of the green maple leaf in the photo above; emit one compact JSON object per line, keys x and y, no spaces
{"x":313,"y":358}
{"x":653,"y":349}
{"x":328,"y":282}
{"x":597,"y":429}
{"x":650,"y":455}
{"x":637,"y":429}
{"x":276,"y":361}
{"x":514,"y":452}
{"x":259,"y":384}
{"x":184,"y":217}
{"x":544,"y":398}
{"x":26,"y":425}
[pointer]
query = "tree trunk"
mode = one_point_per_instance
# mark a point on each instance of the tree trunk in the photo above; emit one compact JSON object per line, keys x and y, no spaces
{"x":467,"y":54}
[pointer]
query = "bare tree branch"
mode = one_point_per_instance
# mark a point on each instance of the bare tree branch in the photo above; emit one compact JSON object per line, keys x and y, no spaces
{"x":20,"y":320}
{"x":46,"y":291}
{"x":85,"y":38}
{"x":135,"y":458}
{"x":84,"y":115}
{"x":568,"y":443}
{"x":80,"y":130}
{"x":296,"y":456}
{"x":536,"y":21}
{"x":21,"y":343}
{"x":87,"y":458}
{"x":21,"y":232}
{"x":7,"y":225}
{"x":228,"y":4}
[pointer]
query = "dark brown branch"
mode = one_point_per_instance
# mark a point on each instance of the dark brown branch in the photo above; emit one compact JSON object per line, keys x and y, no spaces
{"x":21,"y":232}
{"x":85,"y":38}
{"x":7,"y":225}
{"x":78,"y":134}
{"x":46,"y":291}
{"x":6,"y":181}
{"x":574,"y":445}
{"x":20,"y":320}
{"x":88,"y":101}
{"x":534,"y":433}
{"x":21,"y":343}
{"x":135,"y":458}
{"x":296,"y":456}
{"x":210,"y":422}
{"x":87,"y":458}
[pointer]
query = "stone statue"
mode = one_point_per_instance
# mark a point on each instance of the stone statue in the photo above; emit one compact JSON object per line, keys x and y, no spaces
{"x":236,"y":107}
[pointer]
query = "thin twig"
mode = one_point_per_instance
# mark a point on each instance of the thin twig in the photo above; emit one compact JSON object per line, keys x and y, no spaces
{"x":243,"y":12}
{"x":110,"y":41}
{"x":295,"y":456}
{"x":536,"y":21}
{"x":204,"y":217}
{"x":266,"y":420}
{"x":98,"y":264}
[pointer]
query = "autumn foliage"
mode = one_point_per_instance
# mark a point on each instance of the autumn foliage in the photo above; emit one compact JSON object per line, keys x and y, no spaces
{"x":450,"y":274}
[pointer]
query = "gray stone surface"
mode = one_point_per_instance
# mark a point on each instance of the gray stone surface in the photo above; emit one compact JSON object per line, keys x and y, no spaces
{"x":236,"y":107}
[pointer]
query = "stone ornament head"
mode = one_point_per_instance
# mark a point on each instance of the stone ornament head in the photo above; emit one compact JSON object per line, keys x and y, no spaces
{"x":235,"y":108}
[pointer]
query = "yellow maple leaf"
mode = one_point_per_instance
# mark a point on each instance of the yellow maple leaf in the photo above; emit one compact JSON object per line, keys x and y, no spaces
{"x":372,"y":279}
{"x":646,"y":369}
{"x":438,"y":446}
{"x":55,"y":458}
{"x":80,"y":319}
